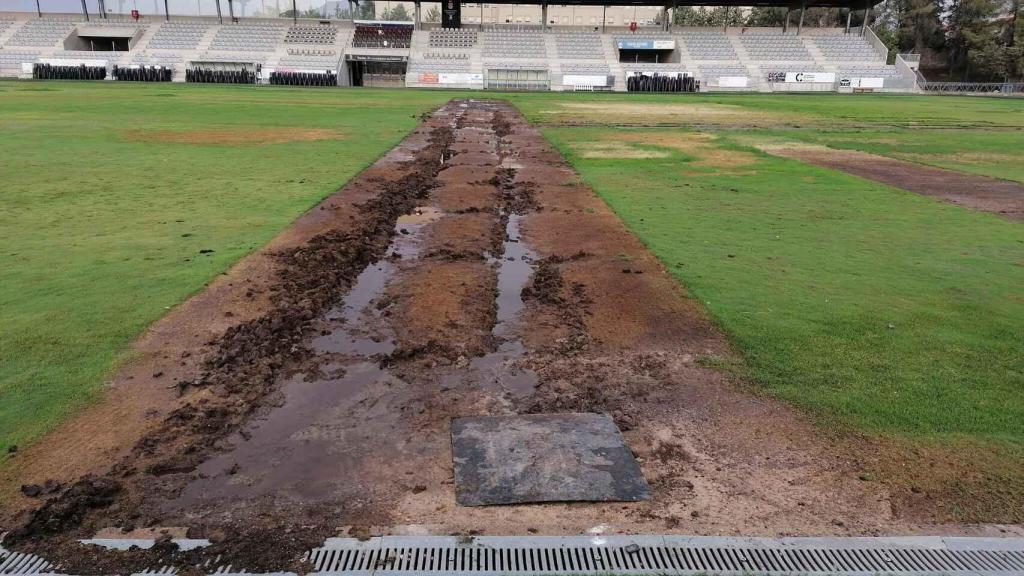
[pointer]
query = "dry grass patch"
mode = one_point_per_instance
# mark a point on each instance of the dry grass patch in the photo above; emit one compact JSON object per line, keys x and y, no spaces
{"x":616,"y":150}
{"x":232,"y":136}
{"x":658,"y":114}
{"x":697,"y":144}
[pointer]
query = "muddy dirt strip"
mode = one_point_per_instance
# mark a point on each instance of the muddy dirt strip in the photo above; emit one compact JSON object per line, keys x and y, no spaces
{"x":310,"y":391}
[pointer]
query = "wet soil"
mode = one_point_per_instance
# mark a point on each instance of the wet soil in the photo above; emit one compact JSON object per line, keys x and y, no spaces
{"x":467,"y":273}
{"x":1001,"y":197}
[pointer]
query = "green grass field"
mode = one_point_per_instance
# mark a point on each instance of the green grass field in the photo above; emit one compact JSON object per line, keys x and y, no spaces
{"x":872,"y":308}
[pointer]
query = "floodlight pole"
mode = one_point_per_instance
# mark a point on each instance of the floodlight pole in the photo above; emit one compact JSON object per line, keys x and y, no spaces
{"x":102,"y":6}
{"x":39,"y":9}
{"x":800,"y":25}
{"x":295,"y":13}
{"x":231,"y":11}
{"x":220,"y":17}
{"x":167,"y":12}
{"x":85,"y":11}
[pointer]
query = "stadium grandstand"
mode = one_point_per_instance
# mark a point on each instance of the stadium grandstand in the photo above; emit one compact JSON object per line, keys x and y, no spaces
{"x":454,"y":53}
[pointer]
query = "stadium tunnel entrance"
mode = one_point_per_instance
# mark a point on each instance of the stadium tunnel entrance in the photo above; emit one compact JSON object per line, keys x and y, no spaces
{"x":376,"y":71}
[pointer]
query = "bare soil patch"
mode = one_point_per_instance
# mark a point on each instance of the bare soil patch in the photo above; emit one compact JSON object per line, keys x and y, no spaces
{"x":467,"y":273}
{"x":977,"y":192}
{"x":232,"y":136}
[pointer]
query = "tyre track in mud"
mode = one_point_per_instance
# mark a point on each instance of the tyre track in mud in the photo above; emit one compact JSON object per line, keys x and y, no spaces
{"x":479,"y":278}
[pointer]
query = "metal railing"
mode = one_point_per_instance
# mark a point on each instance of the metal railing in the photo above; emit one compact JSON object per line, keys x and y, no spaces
{"x":993,"y":88}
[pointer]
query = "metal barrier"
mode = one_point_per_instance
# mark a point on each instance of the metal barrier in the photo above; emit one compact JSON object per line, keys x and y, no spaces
{"x":993,"y":88}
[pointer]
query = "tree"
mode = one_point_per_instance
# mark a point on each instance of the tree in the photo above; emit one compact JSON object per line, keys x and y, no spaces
{"x":398,"y":13}
{"x":762,"y":16}
{"x":367,"y":11}
{"x":433,"y":15}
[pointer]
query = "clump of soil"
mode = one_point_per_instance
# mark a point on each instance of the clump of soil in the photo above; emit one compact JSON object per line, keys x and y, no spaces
{"x":240,"y":374}
{"x":516,"y":197}
{"x":614,"y":386}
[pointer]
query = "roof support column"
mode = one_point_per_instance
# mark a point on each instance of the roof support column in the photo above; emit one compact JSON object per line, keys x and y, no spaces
{"x":849,"y":14}
{"x":604,"y":16}
{"x":785,"y":24}
{"x":867,"y":17}
{"x":220,"y":17}
{"x":231,"y":11}
{"x":102,"y":8}
{"x":417,"y":23}
{"x":800,"y":25}
{"x":295,"y":12}
{"x":544,"y":15}
{"x":85,"y":11}
{"x":664,"y":18}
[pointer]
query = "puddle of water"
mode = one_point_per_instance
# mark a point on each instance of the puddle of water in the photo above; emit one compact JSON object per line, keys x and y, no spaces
{"x":497,"y":370}
{"x":356,"y":310}
{"x":299,"y":448}
{"x":289,"y":451}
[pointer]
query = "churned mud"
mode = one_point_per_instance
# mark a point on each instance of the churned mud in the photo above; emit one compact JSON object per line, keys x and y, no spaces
{"x":1001,"y":197}
{"x":309,"y":392}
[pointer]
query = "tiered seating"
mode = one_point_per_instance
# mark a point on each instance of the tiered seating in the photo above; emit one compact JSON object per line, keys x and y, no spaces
{"x":508,"y":43}
{"x":41,"y":33}
{"x":452,"y":38}
{"x":382,"y":36}
{"x":254,"y":57}
{"x":178,"y":36}
{"x":877,"y":71}
{"x":168,"y":59}
{"x":579,"y":46}
{"x":88,"y":55}
{"x":311,"y":35}
{"x":769,"y":47}
{"x":708,"y":46}
{"x":663,"y":68}
{"x":11,"y":61}
{"x":248,"y":37}
{"x":309,"y":59}
{"x":4,"y":25}
{"x":848,"y":47}
{"x":586,"y":68}
{"x":716,"y":71}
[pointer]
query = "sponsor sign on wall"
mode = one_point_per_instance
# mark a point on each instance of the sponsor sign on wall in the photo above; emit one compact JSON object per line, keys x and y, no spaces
{"x":647,"y":44}
{"x":584,"y":80}
{"x":867,"y":82}
{"x":459,"y":78}
{"x":429,"y":78}
{"x":733,"y":81}
{"x":815,"y":77}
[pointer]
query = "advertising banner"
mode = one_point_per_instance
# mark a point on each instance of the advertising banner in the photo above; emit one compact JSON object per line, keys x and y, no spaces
{"x":733,"y":81}
{"x":459,"y":78}
{"x":584,"y":80}
{"x":815,"y":77}
{"x":429,"y":78}
{"x":647,"y":44}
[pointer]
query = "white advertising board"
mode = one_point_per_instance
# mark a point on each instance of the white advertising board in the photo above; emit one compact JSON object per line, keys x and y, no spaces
{"x":733,"y":81}
{"x":867,"y":82}
{"x":459,"y":78}
{"x":584,"y":80}
{"x":810,"y":77}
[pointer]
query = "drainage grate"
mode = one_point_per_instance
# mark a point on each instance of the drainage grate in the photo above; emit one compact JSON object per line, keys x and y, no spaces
{"x":16,"y":563}
{"x":670,"y":555}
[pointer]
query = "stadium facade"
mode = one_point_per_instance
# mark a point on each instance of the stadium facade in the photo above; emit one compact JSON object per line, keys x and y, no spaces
{"x":599,"y":54}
